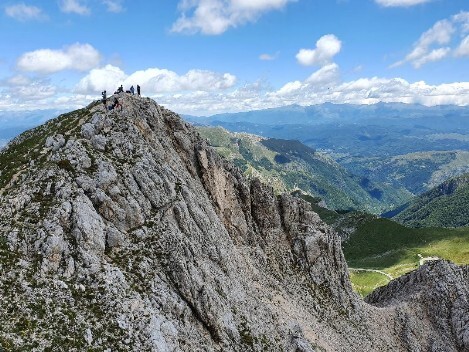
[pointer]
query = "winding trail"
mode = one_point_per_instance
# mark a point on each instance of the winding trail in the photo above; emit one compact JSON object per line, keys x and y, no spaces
{"x":373,"y":271}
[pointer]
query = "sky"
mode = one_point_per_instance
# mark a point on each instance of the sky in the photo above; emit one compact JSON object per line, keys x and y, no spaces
{"x":203,"y":57}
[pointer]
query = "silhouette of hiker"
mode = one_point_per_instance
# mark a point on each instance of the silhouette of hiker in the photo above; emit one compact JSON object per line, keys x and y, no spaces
{"x":118,"y":105}
{"x":132,"y":90}
{"x":138,"y":90}
{"x":104,"y":98}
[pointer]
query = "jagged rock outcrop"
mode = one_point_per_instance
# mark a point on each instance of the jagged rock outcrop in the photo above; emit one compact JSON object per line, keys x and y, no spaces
{"x":123,"y":230}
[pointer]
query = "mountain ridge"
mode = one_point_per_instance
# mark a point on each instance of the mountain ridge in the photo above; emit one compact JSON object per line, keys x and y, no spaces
{"x":380,"y":142}
{"x":444,"y":205}
{"x":127,"y":231}
{"x":289,"y":165}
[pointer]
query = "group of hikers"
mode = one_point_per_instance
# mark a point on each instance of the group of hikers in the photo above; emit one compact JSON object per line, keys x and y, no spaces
{"x":115,"y":104}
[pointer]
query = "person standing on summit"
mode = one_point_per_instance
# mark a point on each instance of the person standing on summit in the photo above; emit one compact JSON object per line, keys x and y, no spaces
{"x":132,"y":90}
{"x":138,"y":90}
{"x":103,"y":94}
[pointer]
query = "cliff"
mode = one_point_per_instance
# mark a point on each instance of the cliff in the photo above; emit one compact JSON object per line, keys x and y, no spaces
{"x":124,"y":230}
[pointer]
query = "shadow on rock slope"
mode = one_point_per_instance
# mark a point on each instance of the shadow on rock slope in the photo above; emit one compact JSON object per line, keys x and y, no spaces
{"x":125,"y":231}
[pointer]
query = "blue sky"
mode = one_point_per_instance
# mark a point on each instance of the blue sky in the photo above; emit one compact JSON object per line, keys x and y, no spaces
{"x":209,"y":56}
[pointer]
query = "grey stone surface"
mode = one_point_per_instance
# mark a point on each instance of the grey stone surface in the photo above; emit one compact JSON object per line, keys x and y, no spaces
{"x":135,"y":235}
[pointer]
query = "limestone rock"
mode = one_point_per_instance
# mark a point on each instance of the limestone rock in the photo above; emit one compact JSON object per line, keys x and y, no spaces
{"x":131,"y":233}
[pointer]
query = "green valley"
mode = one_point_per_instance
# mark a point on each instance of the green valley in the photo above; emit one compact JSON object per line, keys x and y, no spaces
{"x":289,"y":165}
{"x":387,"y":246}
{"x":376,"y":249}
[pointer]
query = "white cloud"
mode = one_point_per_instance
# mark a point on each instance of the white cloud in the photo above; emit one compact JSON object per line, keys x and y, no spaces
{"x":22,"y":12}
{"x":74,"y":6}
{"x":463,"y":48}
{"x":326,"y":48}
{"x":154,"y":80}
{"x":114,"y":6}
{"x":106,"y":78}
{"x":325,"y":75}
{"x":21,"y":89}
{"x":290,"y":88}
{"x":440,"y":34}
{"x":162,"y":80}
{"x":18,"y":80}
{"x":400,"y":3}
{"x":35,"y":91}
{"x":247,"y":97}
{"x":201,"y":92}
{"x":370,"y":91}
{"x":462,"y":18}
{"x":361,"y":91}
{"x":434,"y":55}
{"x":81,"y":57}
{"x":437,"y":43}
{"x":268,"y":57}
{"x":216,"y":16}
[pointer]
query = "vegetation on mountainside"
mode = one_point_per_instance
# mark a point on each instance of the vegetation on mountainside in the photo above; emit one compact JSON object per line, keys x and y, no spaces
{"x":389,"y":248}
{"x":385,"y":245}
{"x":28,"y":147}
{"x":289,"y":165}
{"x":407,"y":146}
{"x":416,"y":172}
{"x":446,"y":206}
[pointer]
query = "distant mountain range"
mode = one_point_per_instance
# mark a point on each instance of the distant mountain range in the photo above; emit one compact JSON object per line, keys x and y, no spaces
{"x":12,"y":123}
{"x":288,"y":165}
{"x":405,"y":145}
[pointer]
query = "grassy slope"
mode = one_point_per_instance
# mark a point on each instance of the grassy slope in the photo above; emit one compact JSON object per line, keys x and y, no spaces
{"x":28,"y":146}
{"x":386,"y":245}
{"x":446,"y":205}
{"x":289,"y":165}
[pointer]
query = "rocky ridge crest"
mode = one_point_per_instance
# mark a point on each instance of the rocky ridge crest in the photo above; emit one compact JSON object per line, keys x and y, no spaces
{"x":124,"y":230}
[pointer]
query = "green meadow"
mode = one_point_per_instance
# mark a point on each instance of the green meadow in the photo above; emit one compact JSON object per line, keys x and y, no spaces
{"x":382,"y":244}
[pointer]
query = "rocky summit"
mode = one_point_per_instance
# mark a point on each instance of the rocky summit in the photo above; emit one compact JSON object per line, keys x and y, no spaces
{"x":124,"y":231}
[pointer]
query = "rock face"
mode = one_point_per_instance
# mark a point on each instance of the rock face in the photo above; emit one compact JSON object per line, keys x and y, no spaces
{"x":125,"y":231}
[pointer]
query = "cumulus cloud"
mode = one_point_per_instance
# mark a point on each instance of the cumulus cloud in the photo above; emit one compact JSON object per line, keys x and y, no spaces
{"x":22,"y":12}
{"x":22,"y":89}
{"x":154,"y":80}
{"x":325,"y":75}
{"x":373,"y":90}
{"x":114,"y":6}
{"x":99,"y":79}
{"x":368,"y":90}
{"x":462,"y":18}
{"x":434,"y":55}
{"x":81,"y":57}
{"x":74,"y":6}
{"x":439,"y":34}
{"x":362,"y":91}
{"x":400,"y":3}
{"x":326,"y":48}
{"x":463,"y":48}
{"x":18,"y":80}
{"x":437,"y":43}
{"x":200,"y":92}
{"x":214,"y":17}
